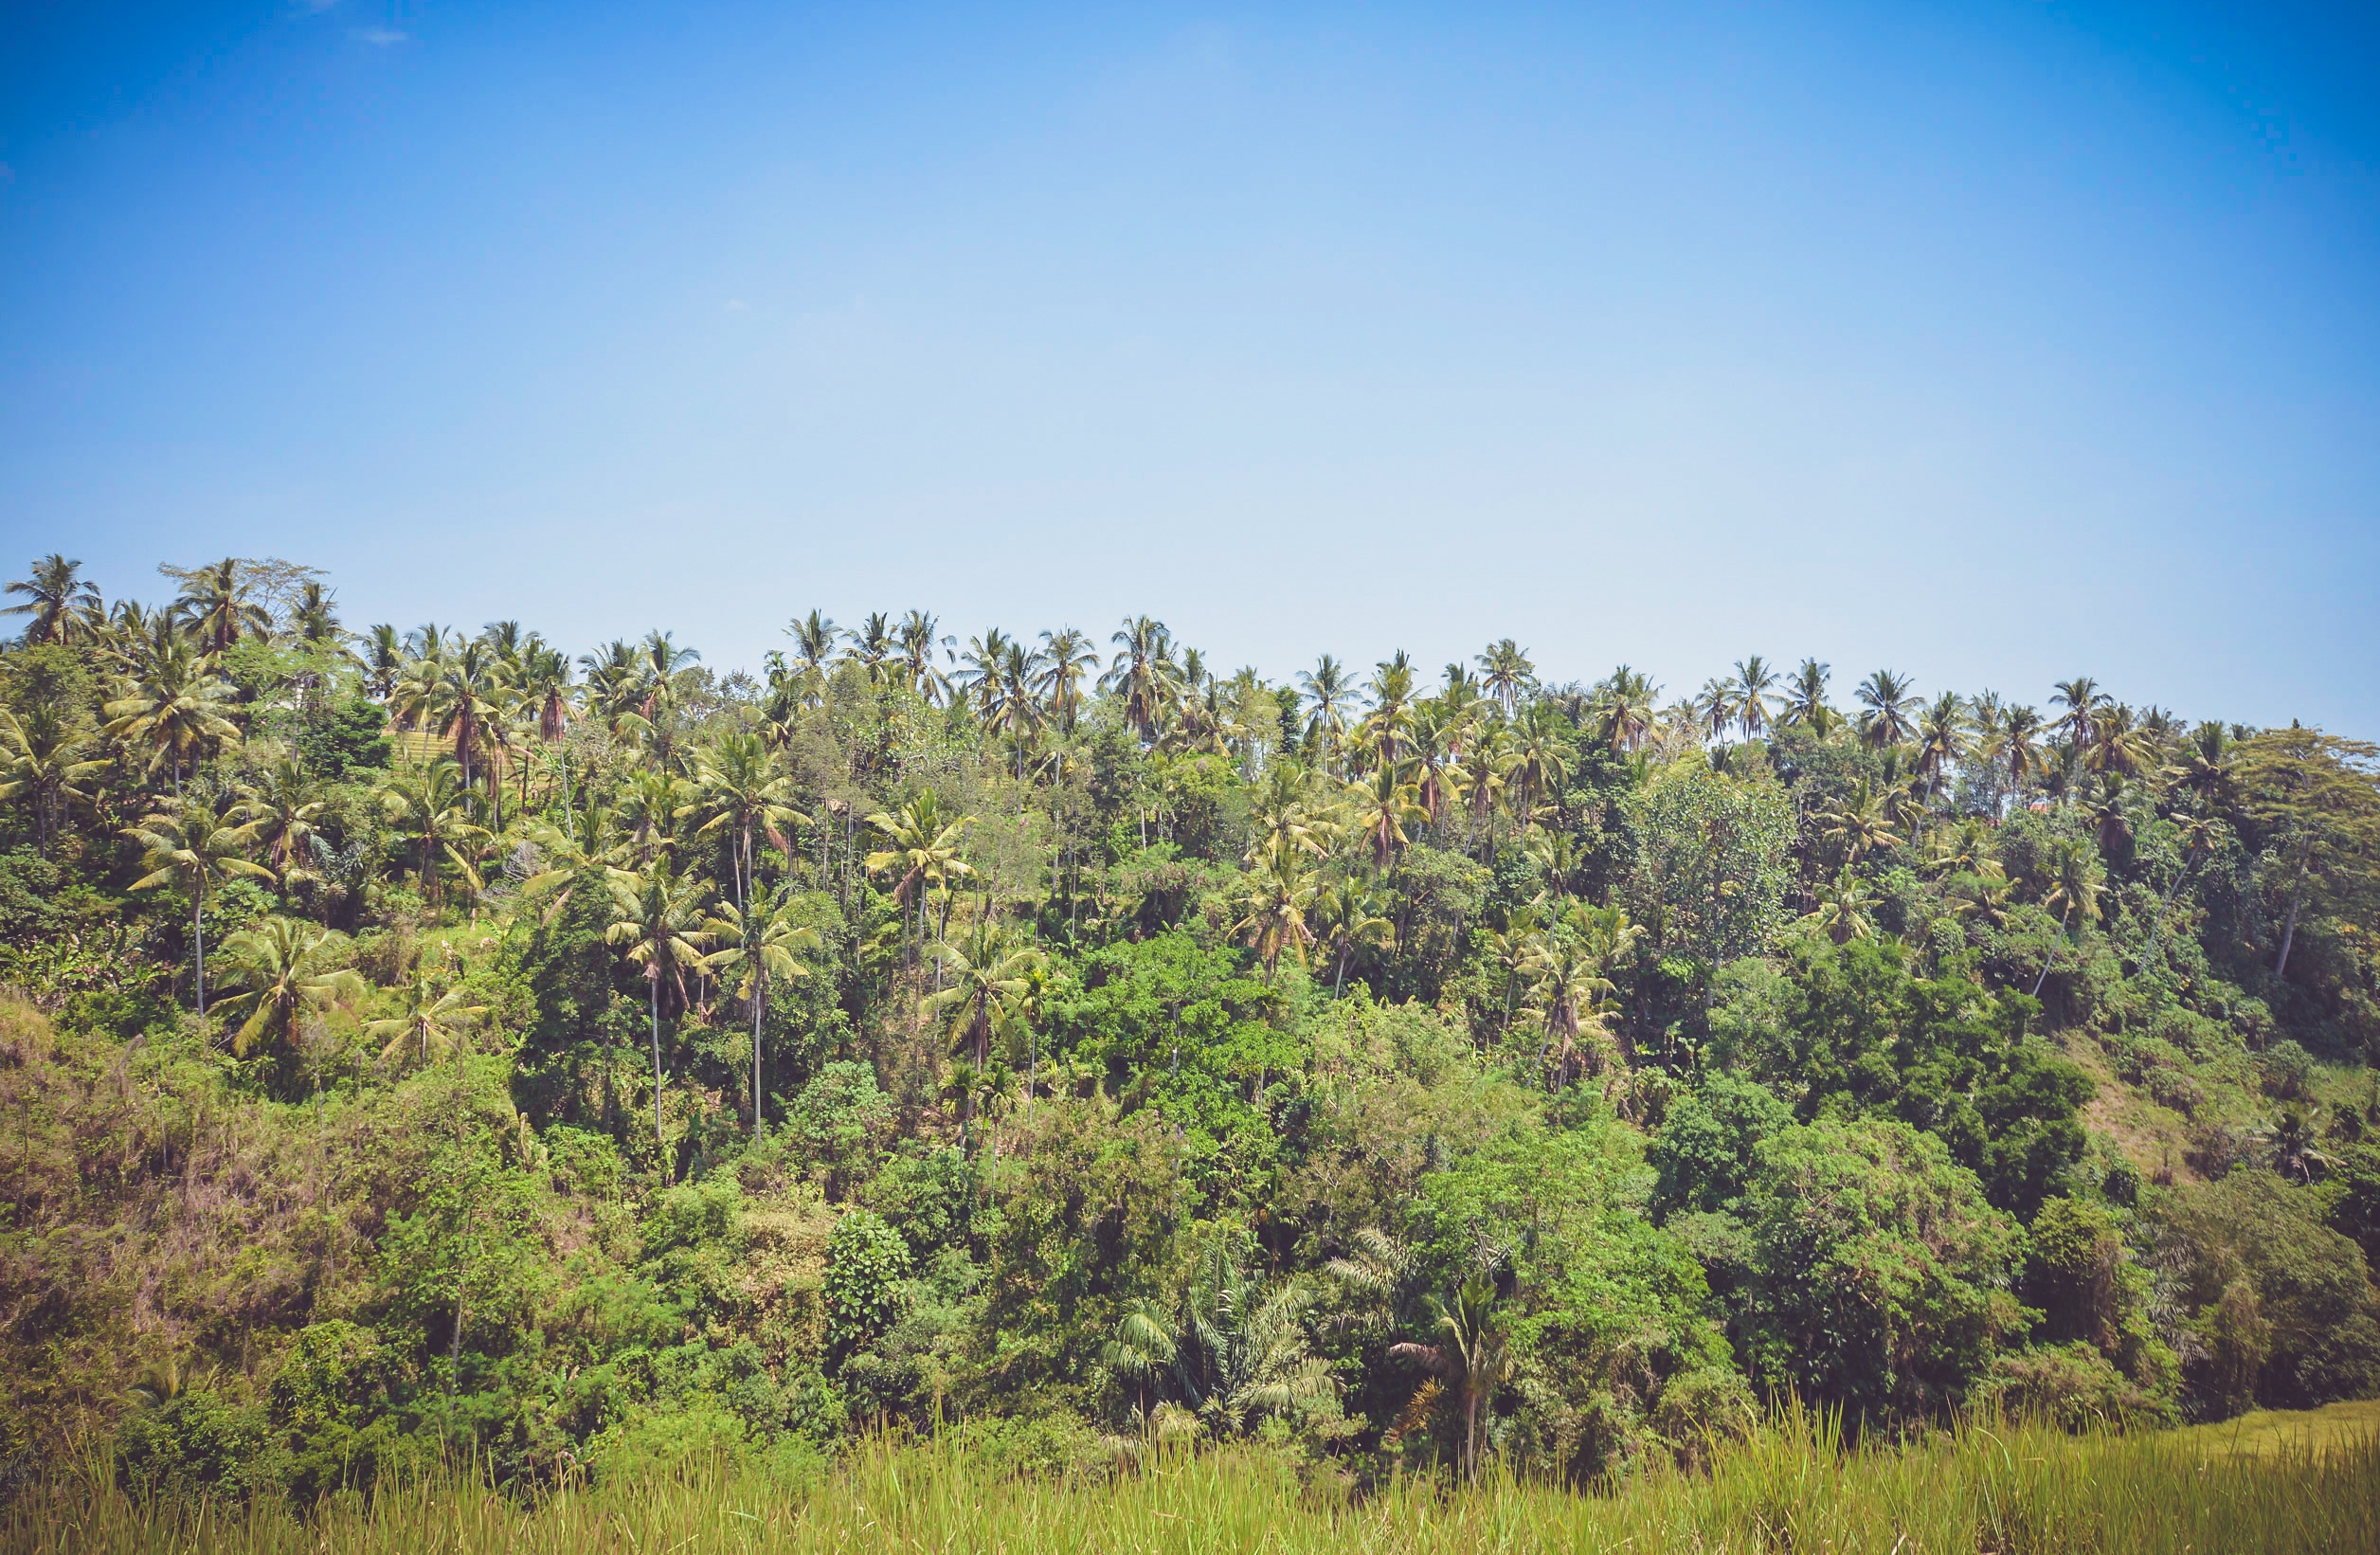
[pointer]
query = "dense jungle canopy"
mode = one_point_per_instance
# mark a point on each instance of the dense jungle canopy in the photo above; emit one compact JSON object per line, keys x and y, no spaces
{"x":434,"y":1038}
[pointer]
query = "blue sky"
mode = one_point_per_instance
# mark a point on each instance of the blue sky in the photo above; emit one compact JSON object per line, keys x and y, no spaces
{"x":1993,"y":343}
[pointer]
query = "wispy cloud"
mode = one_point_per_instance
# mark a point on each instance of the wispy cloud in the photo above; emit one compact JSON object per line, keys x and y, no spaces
{"x":382,"y":37}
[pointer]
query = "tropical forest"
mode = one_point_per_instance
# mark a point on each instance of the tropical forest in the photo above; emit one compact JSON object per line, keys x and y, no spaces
{"x":1028,"y":1088}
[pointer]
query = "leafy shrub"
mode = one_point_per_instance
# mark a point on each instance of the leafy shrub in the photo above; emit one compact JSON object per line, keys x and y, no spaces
{"x":2071,"y":1385}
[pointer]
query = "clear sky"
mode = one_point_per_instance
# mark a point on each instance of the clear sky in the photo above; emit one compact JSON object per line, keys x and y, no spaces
{"x":1991,"y":342}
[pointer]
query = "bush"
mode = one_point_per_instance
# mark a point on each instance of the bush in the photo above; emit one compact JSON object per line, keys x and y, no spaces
{"x":2072,"y":1387}
{"x":198,"y":1443}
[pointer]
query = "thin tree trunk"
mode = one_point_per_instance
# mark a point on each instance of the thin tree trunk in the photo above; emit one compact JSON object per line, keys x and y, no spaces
{"x":2051,"y":959}
{"x":198,"y":940}
{"x":660,"y":1140}
{"x":2289,"y":931}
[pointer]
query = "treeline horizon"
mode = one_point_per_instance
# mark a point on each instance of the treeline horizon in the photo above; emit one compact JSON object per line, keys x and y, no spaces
{"x":420,"y":1037}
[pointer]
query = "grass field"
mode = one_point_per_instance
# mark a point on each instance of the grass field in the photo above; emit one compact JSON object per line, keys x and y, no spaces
{"x":2304,"y":1483}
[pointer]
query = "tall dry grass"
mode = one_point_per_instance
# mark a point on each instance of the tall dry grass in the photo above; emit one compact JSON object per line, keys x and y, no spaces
{"x":2013,"y":1491}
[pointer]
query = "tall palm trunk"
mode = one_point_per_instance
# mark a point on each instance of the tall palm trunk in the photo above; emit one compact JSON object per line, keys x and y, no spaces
{"x":2051,"y":959}
{"x":198,"y":940}
{"x":659,"y":1139}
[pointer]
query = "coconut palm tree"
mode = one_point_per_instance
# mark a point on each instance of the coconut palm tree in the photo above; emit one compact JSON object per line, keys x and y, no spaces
{"x":195,"y":842}
{"x":219,"y":603}
{"x":740,"y":794}
{"x":543,"y":683}
{"x":924,"y":850}
{"x":2020,"y":746}
{"x":383,"y":658}
{"x":1624,"y":703}
{"x":871,"y":646}
{"x":2075,"y":880}
{"x":283,"y":807}
{"x":1390,"y":717}
{"x":1470,"y":1356}
{"x":1383,"y":802}
{"x":1347,"y":918}
{"x":41,"y":762}
{"x":175,"y":704}
{"x":1887,"y":698}
{"x":1059,"y":671}
{"x":1570,"y":992}
{"x":1541,"y":748}
{"x":1941,"y":740}
{"x":428,"y":1017}
{"x":1329,"y":695}
{"x":288,"y":970}
{"x":1805,"y":697}
{"x":1280,"y":889}
{"x":977,"y":981}
{"x":1141,"y":672}
{"x":1751,"y":691}
{"x":2081,"y":699}
{"x":658,"y":922}
{"x":754,"y":953}
{"x":917,"y":642}
{"x":1846,"y":907}
{"x":1861,"y":823}
{"x":62,"y":605}
{"x":1506,"y":671}
{"x":427,"y":809}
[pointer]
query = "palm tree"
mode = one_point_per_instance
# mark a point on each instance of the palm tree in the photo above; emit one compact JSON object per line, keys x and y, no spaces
{"x":2081,"y":699}
{"x":2020,"y":750}
{"x":1347,"y":917}
{"x":427,"y":1017}
{"x":1384,"y":802}
{"x":980,"y":983}
{"x":871,"y":646}
{"x":288,"y":969}
{"x":917,"y":642}
{"x":813,"y":637}
{"x":754,"y":951}
{"x":1059,"y":671}
{"x":741,"y":793}
{"x":63,"y":606}
{"x":195,"y":841}
{"x":1506,"y":671}
{"x":41,"y":761}
{"x":1941,"y":740}
{"x":1470,"y":1358}
{"x":2075,"y":878}
{"x":1715,"y":708}
{"x":1570,"y":991}
{"x":1141,"y":672}
{"x":1391,"y":714}
{"x":1625,"y":715}
{"x":283,"y":807}
{"x":1480,"y":779}
{"x":1329,"y":693}
{"x":1887,"y":697}
{"x":1846,"y":907}
{"x":658,"y":920}
{"x":1541,"y":756}
{"x":176,"y":704}
{"x":1279,"y":891}
{"x":430,"y":804}
{"x":924,"y":849}
{"x":219,"y":603}
{"x":1806,"y":698}
{"x":1862,"y":822}
{"x":383,"y":660}
{"x":1233,"y":1349}
{"x":543,"y":681}
{"x":1751,"y":687}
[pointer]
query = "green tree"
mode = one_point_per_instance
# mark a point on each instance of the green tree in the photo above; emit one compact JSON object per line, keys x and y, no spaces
{"x":288,"y":969}
{"x":196,"y":842}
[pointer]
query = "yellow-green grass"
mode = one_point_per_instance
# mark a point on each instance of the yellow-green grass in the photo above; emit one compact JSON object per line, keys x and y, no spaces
{"x":2271,"y":1432}
{"x":1791,"y":1489}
